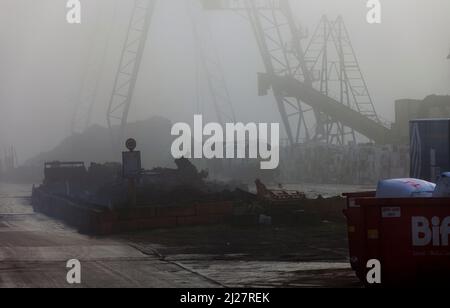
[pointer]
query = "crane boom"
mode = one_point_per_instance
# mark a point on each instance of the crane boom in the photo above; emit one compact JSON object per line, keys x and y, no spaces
{"x":279,"y":43}
{"x":130,"y":61}
{"x":288,"y":66}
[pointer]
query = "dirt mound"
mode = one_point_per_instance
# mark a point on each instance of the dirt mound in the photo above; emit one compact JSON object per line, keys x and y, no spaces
{"x":94,"y":145}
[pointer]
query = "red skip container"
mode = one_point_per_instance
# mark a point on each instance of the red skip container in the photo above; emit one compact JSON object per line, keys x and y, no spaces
{"x":410,"y":238}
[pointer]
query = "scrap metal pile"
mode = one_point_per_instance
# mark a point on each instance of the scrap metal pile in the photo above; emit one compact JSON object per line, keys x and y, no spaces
{"x":103,"y":184}
{"x":96,"y":200}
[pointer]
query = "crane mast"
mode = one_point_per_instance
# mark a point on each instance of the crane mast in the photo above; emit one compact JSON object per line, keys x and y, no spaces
{"x":299,"y":78}
{"x":130,"y":61}
{"x":332,"y":61}
{"x":279,"y":43}
{"x":308,"y":111}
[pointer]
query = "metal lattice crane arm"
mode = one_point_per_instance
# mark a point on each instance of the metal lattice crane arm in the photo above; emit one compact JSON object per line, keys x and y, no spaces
{"x":130,"y":61}
{"x":308,"y":109}
{"x":279,"y":42}
{"x":342,"y":113}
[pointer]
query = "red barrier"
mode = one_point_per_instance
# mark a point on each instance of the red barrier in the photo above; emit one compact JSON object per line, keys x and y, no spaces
{"x":215,"y":208}
{"x":200,"y":220}
{"x":104,"y":221}
{"x":175,"y":211}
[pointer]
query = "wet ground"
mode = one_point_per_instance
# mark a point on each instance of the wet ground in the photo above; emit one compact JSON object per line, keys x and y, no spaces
{"x":34,"y":250}
{"x":313,"y":256}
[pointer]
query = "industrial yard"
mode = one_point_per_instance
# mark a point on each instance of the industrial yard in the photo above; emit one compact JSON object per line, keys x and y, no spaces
{"x":34,"y":250}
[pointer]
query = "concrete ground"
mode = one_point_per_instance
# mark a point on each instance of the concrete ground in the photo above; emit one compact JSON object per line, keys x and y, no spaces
{"x":34,"y":250}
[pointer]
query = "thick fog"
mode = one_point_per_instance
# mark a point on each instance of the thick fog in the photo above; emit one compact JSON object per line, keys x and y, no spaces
{"x":43,"y":60}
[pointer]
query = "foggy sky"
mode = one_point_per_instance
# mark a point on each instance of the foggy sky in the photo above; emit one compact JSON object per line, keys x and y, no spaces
{"x":43,"y":61}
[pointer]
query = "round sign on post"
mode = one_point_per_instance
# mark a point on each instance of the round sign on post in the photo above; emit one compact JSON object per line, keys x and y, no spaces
{"x":131,"y":144}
